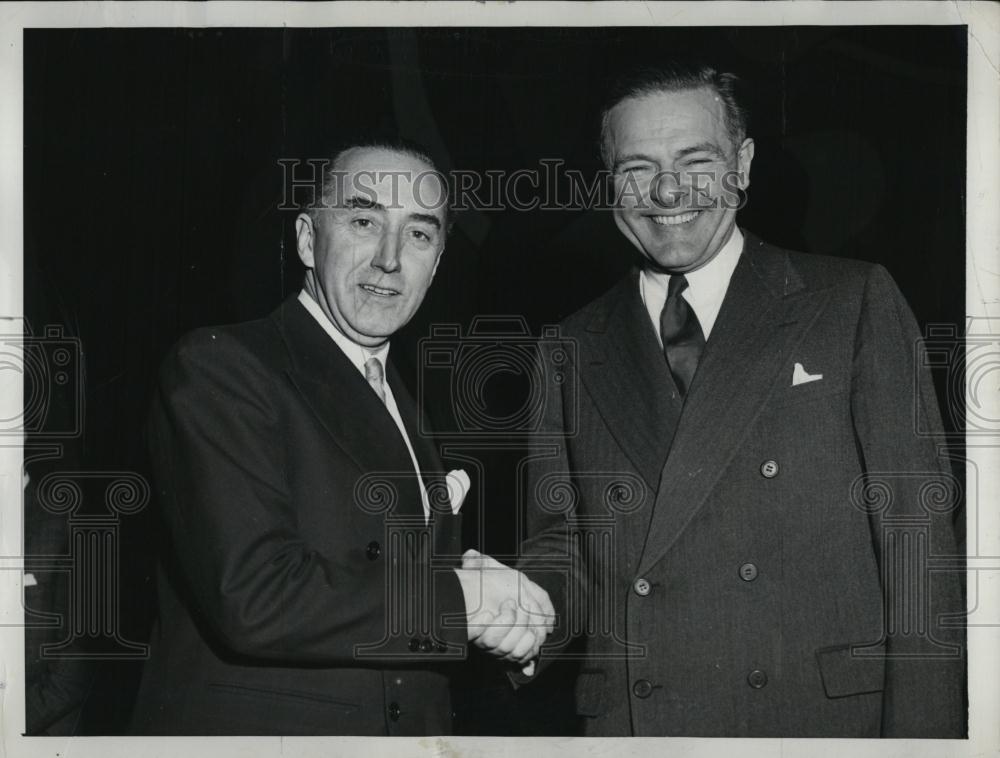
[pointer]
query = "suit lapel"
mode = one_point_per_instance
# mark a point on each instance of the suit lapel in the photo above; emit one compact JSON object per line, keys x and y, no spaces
{"x":340,"y":397}
{"x":765,"y":314}
{"x":622,"y":366}
{"x":445,"y":526}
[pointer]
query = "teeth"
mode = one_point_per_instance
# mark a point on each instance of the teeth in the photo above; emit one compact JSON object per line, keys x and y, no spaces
{"x":378,"y":290}
{"x":674,"y":220}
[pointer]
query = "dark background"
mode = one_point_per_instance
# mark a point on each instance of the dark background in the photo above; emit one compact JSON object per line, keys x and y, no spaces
{"x":151,"y":186}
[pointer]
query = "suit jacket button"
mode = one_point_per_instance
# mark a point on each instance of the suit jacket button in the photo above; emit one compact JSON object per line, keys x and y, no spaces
{"x":426,"y":646}
{"x":756,"y":679}
{"x":642,"y":688}
{"x":748,"y":572}
{"x":394,"y":711}
{"x":414,"y":645}
{"x":642,"y":587}
{"x":373,"y":551}
{"x":769,"y":469}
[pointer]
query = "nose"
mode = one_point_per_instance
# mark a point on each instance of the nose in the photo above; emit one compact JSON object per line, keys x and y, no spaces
{"x":666,"y":190}
{"x":387,"y":256}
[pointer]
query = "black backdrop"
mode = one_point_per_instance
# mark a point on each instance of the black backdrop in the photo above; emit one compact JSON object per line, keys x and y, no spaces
{"x":152,"y":180}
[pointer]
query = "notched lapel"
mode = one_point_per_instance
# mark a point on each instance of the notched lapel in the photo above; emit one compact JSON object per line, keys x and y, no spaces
{"x":352,"y":414}
{"x":623,"y":367}
{"x":764,"y":316}
{"x":445,"y":525}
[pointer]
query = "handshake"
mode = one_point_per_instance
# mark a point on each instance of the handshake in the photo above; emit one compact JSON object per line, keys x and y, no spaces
{"x":508,"y":615}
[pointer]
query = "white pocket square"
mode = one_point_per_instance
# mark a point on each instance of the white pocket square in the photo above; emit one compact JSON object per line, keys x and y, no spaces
{"x":801,"y":376}
{"x":458,"y":487}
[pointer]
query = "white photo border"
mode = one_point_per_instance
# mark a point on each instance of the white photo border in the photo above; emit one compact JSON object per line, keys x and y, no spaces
{"x":982,"y":300}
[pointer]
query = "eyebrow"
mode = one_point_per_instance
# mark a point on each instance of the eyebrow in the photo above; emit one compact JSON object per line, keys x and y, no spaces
{"x":366,"y":203}
{"x":633,"y":157}
{"x":360,"y":201}
{"x":427,"y":219}
{"x":701,"y":147}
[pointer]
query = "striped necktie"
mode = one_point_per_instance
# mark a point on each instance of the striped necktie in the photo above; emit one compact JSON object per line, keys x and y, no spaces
{"x":376,"y":376}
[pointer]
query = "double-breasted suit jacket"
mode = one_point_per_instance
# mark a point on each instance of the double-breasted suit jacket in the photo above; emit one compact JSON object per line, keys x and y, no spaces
{"x":302,"y":593}
{"x":753,"y":560}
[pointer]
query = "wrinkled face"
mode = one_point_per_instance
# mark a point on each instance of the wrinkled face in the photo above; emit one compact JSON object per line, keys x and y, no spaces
{"x":677,"y":174}
{"x":371,"y":253}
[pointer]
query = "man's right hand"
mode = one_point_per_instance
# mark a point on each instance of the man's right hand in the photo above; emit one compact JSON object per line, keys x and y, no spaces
{"x":508,"y":615}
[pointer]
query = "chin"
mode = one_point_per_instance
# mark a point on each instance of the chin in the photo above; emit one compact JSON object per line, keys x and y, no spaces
{"x":674,"y":259}
{"x":381,"y":329}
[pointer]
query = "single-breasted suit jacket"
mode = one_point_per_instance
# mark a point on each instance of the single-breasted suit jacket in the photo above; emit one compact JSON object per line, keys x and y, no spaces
{"x":303,"y":593}
{"x":767,"y":557}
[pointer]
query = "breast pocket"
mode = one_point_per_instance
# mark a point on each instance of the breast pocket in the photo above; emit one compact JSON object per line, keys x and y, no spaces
{"x":810,"y":392}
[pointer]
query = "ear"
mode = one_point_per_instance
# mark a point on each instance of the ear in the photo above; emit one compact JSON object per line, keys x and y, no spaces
{"x":743,"y":160}
{"x":304,"y":235}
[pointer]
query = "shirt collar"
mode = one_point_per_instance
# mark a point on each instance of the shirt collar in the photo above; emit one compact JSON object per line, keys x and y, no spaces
{"x":357,"y":354}
{"x":706,"y":286}
{"x":712,"y":279}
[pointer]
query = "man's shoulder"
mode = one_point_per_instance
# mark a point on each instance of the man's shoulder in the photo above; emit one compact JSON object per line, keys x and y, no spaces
{"x":805,"y":270}
{"x":600,"y":308}
{"x":812,"y":271}
{"x":247,"y":346}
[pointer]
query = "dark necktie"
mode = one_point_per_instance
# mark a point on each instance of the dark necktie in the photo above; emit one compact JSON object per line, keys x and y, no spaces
{"x":683,"y":339}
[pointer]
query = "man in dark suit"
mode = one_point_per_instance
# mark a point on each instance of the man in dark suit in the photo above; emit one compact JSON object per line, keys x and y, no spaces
{"x":315,"y":583}
{"x":740,"y":523}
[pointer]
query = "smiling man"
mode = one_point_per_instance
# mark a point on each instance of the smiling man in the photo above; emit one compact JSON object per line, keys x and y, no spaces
{"x":315,"y":582}
{"x":746,"y":440}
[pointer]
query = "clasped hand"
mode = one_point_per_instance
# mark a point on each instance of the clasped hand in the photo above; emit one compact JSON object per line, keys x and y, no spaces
{"x":508,"y":615}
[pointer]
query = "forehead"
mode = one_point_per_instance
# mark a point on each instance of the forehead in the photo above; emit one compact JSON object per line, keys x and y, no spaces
{"x":668,"y":119}
{"x":392,"y":177}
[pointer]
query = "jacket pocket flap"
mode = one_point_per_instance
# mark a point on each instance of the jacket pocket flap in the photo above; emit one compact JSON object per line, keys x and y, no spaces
{"x":276,"y":695}
{"x":852,"y":669}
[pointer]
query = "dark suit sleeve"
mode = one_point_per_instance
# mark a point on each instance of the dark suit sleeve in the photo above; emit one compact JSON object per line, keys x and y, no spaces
{"x":549,"y":554}
{"x":218,"y":446}
{"x":912,"y":497}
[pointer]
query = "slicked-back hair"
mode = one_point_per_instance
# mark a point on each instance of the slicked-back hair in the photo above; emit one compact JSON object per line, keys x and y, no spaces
{"x":396,"y":145}
{"x":676,"y":76}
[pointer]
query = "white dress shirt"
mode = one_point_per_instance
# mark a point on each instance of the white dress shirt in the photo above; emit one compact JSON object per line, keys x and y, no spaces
{"x":706,"y":286}
{"x":359,"y":355}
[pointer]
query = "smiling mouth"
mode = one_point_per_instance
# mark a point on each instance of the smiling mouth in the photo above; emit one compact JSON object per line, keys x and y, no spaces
{"x":378,"y":291}
{"x":677,"y":220}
